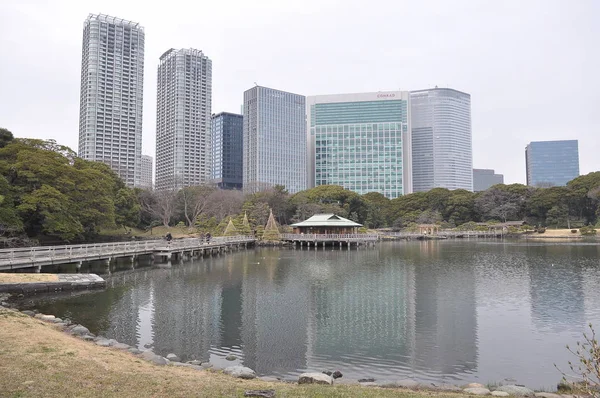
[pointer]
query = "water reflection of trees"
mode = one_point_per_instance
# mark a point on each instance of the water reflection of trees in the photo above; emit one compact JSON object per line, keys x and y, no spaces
{"x":296,"y":309}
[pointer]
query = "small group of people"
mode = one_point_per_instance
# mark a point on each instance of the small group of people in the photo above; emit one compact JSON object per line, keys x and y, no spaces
{"x":169,"y":237}
{"x":207,"y":237}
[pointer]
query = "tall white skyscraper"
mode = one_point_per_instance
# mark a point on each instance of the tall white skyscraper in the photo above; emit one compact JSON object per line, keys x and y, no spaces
{"x":442,"y":155}
{"x":274,"y":140}
{"x":183,"y":119}
{"x":112,"y":80}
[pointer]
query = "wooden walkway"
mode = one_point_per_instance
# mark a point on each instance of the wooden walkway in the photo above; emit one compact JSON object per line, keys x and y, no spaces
{"x":37,"y":257}
{"x":330,"y":239}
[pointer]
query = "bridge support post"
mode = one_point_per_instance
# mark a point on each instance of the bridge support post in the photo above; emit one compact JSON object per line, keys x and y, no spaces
{"x":38,"y":269}
{"x":133,"y":258}
{"x":107,"y":263}
{"x":78,"y":266}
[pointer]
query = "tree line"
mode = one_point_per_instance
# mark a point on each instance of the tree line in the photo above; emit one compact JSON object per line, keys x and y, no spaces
{"x":46,"y":191}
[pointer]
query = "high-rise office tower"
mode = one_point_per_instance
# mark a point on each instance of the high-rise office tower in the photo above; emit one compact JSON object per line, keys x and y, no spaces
{"x":361,"y":142}
{"x":146,"y":172}
{"x":274,"y":140}
{"x":112,"y":80}
{"x":485,"y":178}
{"x":442,"y":153}
{"x":227,"y":150}
{"x":183,"y":119}
{"x":551,"y":163}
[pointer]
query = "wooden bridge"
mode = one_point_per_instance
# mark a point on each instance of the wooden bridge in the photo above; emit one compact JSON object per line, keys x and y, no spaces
{"x":330,"y":239}
{"x":37,"y":257}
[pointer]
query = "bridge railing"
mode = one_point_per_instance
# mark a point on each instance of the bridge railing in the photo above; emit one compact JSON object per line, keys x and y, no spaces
{"x":330,"y":237}
{"x":442,"y":233}
{"x":66,"y":252}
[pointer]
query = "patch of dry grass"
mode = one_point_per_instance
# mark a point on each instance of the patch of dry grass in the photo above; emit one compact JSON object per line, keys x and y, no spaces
{"x":38,"y":360}
{"x":25,"y":278}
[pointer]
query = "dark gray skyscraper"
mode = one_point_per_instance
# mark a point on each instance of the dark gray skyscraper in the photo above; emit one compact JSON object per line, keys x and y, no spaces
{"x":551,"y":163}
{"x":183,"y":119}
{"x":274,"y":140}
{"x":227,"y":150}
{"x":112,"y":80}
{"x":485,"y":178}
{"x":442,"y":155}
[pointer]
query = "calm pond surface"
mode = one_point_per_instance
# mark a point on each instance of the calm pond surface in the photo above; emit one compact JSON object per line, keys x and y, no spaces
{"x":439,"y":311}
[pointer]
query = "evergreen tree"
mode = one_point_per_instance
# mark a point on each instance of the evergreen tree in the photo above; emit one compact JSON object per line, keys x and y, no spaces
{"x":271,"y":231}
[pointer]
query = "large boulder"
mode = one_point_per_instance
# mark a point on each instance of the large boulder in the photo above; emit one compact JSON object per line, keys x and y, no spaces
{"x":152,"y":357}
{"x":79,"y":330}
{"x":500,"y":394}
{"x":315,"y":378}
{"x":474,"y":385}
{"x":174,"y":358}
{"x":122,"y":346}
{"x":241,"y":372}
{"x":103,"y":342}
{"x":477,"y":391}
{"x":518,"y":391}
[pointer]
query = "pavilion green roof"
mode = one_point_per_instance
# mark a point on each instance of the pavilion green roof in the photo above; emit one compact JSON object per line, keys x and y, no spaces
{"x":327,"y":220}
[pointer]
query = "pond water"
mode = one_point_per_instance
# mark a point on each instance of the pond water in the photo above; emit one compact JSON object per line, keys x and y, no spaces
{"x":439,"y":311}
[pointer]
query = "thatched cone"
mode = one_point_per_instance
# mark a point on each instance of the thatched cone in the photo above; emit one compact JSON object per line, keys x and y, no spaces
{"x":271,"y":231}
{"x":246,"y":229}
{"x":230,"y":230}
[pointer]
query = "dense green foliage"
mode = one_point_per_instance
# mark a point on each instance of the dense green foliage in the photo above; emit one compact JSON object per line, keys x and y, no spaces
{"x":46,"y":191}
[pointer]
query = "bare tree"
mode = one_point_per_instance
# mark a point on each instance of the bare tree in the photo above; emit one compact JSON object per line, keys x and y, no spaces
{"x":226,"y":203}
{"x":161,"y":204}
{"x":196,"y":201}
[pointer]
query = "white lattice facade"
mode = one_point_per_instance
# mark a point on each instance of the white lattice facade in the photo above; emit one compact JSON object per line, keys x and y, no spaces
{"x":112,"y":79}
{"x":183,"y":119}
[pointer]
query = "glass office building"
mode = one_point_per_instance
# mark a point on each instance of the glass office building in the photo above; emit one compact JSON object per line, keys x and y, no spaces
{"x":361,"y":142}
{"x":227,"y":150}
{"x":551,"y":163}
{"x":442,"y":149}
{"x":112,"y":85}
{"x":274,"y":140}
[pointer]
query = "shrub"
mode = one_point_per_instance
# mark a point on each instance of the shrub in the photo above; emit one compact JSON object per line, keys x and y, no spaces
{"x":541,"y":230}
{"x":588,"y":230}
{"x":573,"y":231}
{"x":586,"y":371}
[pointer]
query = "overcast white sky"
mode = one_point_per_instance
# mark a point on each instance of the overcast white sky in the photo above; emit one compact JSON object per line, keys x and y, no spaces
{"x":532,"y":67}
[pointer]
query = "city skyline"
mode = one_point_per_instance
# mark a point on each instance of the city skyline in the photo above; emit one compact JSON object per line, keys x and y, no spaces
{"x":470,"y":39}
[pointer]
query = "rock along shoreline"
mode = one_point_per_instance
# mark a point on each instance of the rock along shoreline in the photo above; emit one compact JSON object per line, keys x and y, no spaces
{"x":245,"y":373}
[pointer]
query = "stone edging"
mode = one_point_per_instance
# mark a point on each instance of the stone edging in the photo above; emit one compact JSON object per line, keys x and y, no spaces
{"x":326,"y":378}
{"x":66,"y":282}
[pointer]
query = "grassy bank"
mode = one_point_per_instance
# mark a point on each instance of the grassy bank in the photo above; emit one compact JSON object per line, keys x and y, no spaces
{"x":38,"y":360}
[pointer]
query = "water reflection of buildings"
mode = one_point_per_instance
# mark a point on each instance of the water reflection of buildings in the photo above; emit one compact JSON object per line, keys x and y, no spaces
{"x":556,"y":286}
{"x":422,"y":316}
{"x":275,"y":311}
{"x":293,"y":310}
